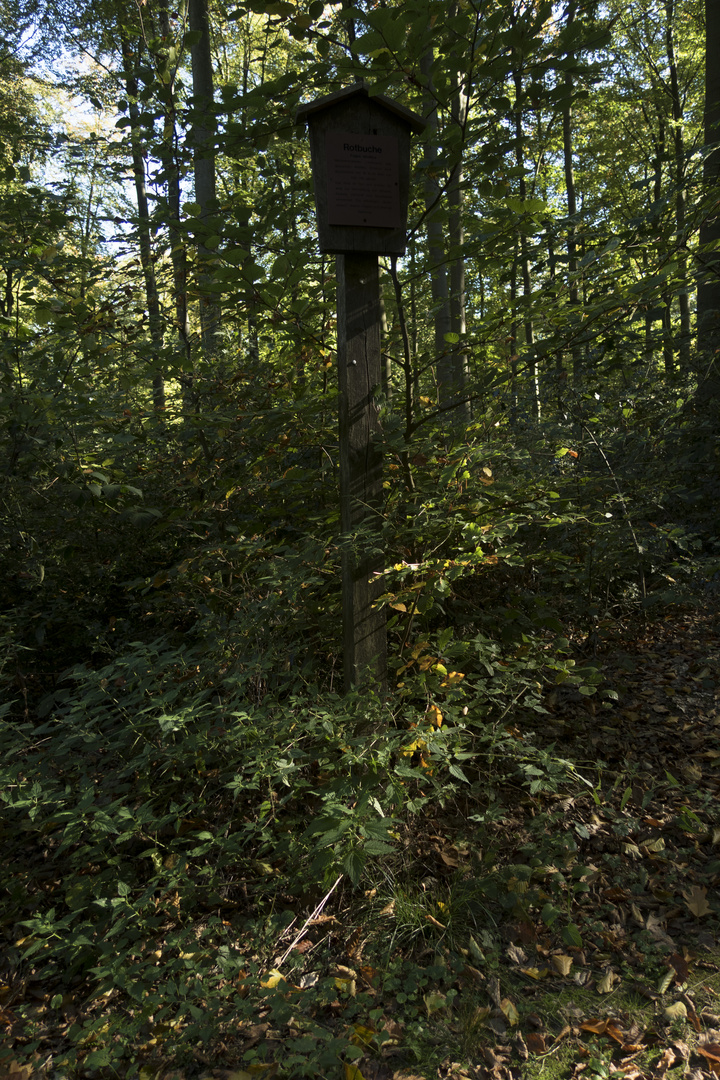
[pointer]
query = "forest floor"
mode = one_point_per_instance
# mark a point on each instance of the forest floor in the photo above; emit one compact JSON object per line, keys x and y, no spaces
{"x":603,"y":958}
{"x":638,"y":854}
{"x":640,"y":995}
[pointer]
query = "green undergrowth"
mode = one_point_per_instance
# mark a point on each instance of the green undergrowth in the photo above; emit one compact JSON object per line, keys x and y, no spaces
{"x":163,"y":830}
{"x":178,"y":804}
{"x":299,"y":883}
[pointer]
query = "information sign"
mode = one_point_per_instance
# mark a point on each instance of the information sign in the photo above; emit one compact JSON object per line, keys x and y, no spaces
{"x":363,"y":180}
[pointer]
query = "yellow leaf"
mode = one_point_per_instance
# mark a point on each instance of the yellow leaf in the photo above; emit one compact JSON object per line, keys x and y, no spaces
{"x":434,"y":1001}
{"x":696,"y":900}
{"x":607,"y":982}
{"x":16,"y":1071}
{"x":535,"y":973}
{"x":454,"y":677}
{"x":434,"y":717}
{"x":481,"y":1014}
{"x":562,"y":963}
{"x":676,"y":1011}
{"x":345,"y":986}
{"x":398,"y":607}
{"x":352,"y":1072}
{"x":363,"y":1035}
{"x":426,"y":662}
{"x":272,"y":979}
{"x":511,"y":1014}
{"x":475,"y":950}
{"x":655,"y":845}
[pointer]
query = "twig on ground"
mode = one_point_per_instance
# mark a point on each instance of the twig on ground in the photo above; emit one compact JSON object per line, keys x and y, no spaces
{"x":313,"y":915}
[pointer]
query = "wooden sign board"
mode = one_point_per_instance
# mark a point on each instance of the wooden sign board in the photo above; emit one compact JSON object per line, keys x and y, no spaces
{"x":360,"y":147}
{"x":363,"y":180}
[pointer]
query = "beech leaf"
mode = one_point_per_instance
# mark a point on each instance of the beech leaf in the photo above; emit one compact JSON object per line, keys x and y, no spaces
{"x":696,"y":900}
{"x":676,"y":1011}
{"x":562,"y":963}
{"x":607,"y":982}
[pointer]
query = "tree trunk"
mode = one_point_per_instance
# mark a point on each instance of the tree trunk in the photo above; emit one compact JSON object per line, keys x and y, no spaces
{"x":203,"y":139}
{"x":708,"y":301}
{"x":436,"y":243}
{"x":458,"y":327}
{"x":524,"y":255}
{"x":171,"y":176}
{"x":144,"y":229}
{"x":679,"y":148}
{"x":567,"y":118}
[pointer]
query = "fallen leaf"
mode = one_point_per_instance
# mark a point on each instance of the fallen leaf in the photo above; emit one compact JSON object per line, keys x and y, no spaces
{"x":510,"y":1012}
{"x":696,"y":900}
{"x":607,"y":982}
{"x":362,"y":1036}
{"x":676,"y":1011}
{"x":434,"y":1001}
{"x":711,"y":1051}
{"x":594,"y":1026}
{"x":475,"y":950}
{"x":680,"y":964}
{"x":691,"y":772}
{"x":561,"y":963}
{"x":615,"y":1032}
{"x":535,"y":973}
{"x":654,"y":846}
{"x":535,"y":1043}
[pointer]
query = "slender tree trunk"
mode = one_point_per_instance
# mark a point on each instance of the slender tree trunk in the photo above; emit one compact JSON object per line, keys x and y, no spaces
{"x":436,"y":243}
{"x":679,"y":155}
{"x":203,"y":139}
{"x":659,"y":148}
{"x":524,"y":255}
{"x":708,"y":301}
{"x":567,"y":117}
{"x":167,"y":152}
{"x":137,"y":150}
{"x":514,"y":332}
{"x":458,"y":324}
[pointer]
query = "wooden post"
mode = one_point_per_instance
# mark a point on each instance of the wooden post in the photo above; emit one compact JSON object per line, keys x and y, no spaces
{"x":360,"y":147}
{"x":361,"y":492}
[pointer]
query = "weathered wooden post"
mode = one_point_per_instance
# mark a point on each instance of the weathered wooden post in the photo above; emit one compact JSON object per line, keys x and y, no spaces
{"x":360,"y":146}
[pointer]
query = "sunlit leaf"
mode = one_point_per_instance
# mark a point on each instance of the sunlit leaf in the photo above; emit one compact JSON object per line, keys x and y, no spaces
{"x":605,"y":985}
{"x":696,"y":900}
{"x":434,"y":1001}
{"x":510,"y":1012}
{"x":676,"y":1011}
{"x":561,"y":963}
